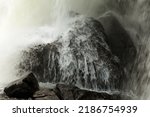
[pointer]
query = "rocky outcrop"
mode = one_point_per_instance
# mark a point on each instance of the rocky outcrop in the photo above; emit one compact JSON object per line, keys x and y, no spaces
{"x":23,"y":88}
{"x":80,"y":57}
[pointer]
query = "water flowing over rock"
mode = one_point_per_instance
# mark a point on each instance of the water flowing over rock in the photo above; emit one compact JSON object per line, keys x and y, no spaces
{"x":113,"y":55}
{"x":80,"y":57}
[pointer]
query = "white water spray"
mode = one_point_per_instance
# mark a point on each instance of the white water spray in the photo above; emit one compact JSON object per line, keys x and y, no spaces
{"x":28,"y":22}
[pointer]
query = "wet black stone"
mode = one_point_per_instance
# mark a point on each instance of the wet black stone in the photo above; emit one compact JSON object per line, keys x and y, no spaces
{"x":22,"y":88}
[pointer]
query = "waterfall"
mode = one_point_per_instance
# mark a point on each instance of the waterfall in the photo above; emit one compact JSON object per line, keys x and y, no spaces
{"x":24,"y":23}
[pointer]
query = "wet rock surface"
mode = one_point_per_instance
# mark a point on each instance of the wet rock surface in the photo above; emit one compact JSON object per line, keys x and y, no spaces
{"x":87,"y":56}
{"x":22,"y":88}
{"x":79,"y":57}
{"x":66,"y":92}
{"x":45,"y":94}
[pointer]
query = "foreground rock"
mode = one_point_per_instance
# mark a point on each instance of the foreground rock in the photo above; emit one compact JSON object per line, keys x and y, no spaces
{"x":22,"y":88}
{"x":67,"y":92}
{"x":80,"y":57}
{"x":118,"y":39}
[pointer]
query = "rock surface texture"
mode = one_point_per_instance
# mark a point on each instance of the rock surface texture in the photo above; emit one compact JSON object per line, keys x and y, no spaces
{"x":80,"y":57}
{"x":85,"y":62}
{"x":67,"y":92}
{"x":23,"y":88}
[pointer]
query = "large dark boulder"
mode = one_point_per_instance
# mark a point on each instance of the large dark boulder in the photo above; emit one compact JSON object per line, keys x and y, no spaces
{"x":22,"y":88}
{"x":118,"y":39}
{"x":79,"y":57}
{"x":68,"y":92}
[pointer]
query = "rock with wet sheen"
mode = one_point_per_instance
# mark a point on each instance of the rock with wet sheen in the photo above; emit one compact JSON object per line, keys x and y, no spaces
{"x":23,"y":88}
{"x":79,"y":57}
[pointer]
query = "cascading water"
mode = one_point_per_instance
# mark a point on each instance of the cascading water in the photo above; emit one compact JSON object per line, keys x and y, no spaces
{"x":29,"y":22}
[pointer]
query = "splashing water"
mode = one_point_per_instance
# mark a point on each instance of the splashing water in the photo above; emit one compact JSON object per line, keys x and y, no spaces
{"x":27,"y":22}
